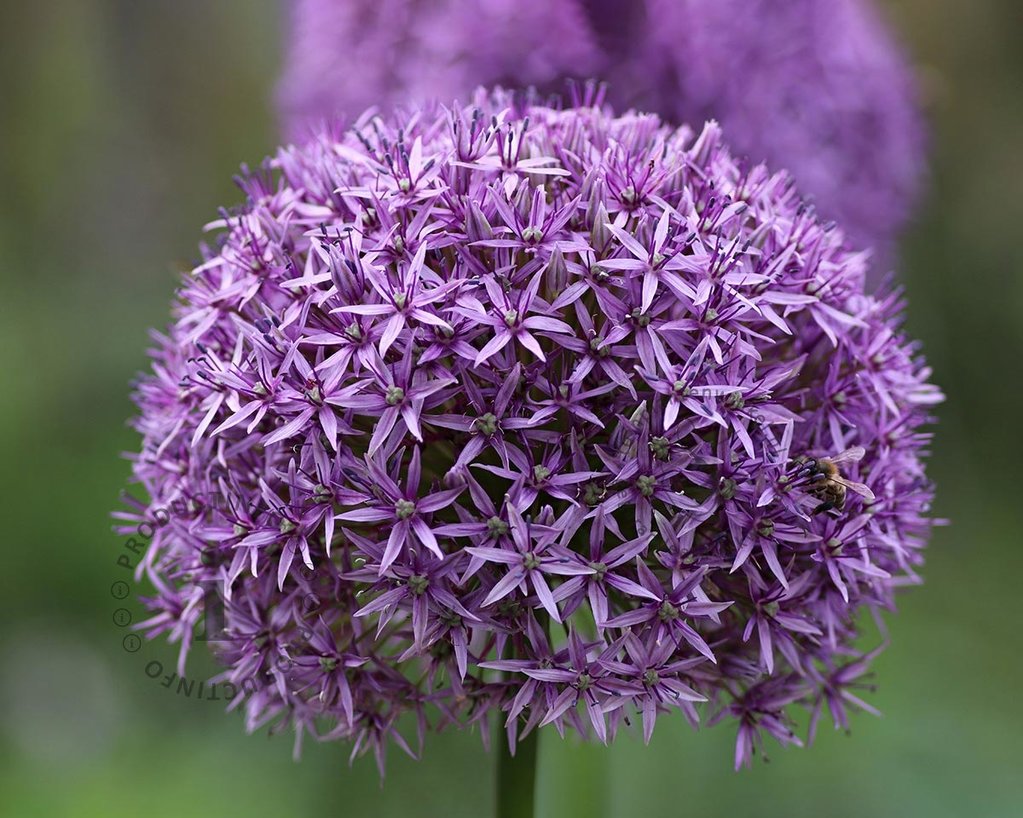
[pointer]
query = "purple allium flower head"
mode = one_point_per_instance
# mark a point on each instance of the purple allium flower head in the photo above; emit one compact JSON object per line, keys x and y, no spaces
{"x":816,"y":86}
{"x":345,"y":55}
{"x":512,"y":408}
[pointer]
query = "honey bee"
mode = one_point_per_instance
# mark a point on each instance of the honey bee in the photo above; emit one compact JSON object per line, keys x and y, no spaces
{"x":827,"y":482}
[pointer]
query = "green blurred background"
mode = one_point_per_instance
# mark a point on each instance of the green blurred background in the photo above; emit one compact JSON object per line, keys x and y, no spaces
{"x":122,"y":123}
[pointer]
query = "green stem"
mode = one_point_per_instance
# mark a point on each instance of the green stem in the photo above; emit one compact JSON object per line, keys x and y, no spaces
{"x":516,"y":777}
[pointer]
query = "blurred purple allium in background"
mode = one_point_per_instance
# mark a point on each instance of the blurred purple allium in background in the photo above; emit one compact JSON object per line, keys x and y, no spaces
{"x":516,"y":408}
{"x":815,"y":86}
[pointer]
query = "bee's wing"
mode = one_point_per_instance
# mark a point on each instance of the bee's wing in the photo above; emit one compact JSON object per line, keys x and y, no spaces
{"x":852,"y":485}
{"x":849,"y":455}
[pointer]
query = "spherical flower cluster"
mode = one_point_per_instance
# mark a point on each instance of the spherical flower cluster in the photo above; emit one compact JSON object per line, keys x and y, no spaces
{"x":512,"y":408}
{"x":343,"y":56}
{"x":814,"y":86}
